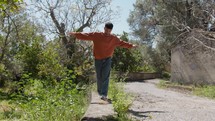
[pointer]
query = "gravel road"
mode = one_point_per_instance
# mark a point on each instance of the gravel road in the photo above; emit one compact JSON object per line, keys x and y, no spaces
{"x":154,"y":104}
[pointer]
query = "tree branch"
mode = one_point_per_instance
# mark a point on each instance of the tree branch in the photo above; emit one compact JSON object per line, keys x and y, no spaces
{"x":208,"y":47}
{"x":60,"y":28}
{"x":5,"y":42}
{"x":87,"y":23}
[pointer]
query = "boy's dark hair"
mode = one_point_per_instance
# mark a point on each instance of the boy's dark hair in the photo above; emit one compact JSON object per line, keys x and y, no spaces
{"x":109,"y":25}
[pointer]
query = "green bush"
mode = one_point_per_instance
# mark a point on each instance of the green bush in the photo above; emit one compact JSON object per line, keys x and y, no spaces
{"x":2,"y":74}
{"x":56,"y":103}
{"x":29,"y":56}
{"x":147,"y":68}
{"x":44,"y":102}
{"x":166,"y":75}
{"x":206,"y":91}
{"x":49,"y":66}
{"x":120,"y":99}
{"x":125,"y":59}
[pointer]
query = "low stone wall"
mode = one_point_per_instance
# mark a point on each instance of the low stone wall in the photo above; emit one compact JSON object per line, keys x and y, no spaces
{"x":137,"y":76}
{"x":133,"y":76}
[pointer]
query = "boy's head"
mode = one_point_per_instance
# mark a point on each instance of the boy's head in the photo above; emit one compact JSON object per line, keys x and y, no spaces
{"x":108,"y":28}
{"x":109,"y":25}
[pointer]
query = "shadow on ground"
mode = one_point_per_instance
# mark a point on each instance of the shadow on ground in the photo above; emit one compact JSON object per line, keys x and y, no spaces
{"x":107,"y":118}
{"x":139,"y":80}
{"x":143,"y":114}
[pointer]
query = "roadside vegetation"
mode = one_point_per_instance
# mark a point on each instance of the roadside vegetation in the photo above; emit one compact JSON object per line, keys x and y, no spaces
{"x":205,"y":91}
{"x":40,"y":101}
{"x":44,"y":74}
{"x":199,"y":90}
{"x":120,"y":99}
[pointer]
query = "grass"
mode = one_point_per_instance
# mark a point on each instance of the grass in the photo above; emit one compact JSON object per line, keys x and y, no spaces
{"x":121,"y":100}
{"x":41,"y":102}
{"x":44,"y":103}
{"x":203,"y":91}
{"x":168,"y":84}
{"x":10,"y":112}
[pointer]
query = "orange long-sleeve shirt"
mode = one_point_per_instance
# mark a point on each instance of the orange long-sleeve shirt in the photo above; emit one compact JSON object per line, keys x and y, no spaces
{"x":103,"y":45}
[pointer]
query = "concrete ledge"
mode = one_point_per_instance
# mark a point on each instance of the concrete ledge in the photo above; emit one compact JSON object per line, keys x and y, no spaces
{"x":98,"y":110}
{"x":135,"y":76}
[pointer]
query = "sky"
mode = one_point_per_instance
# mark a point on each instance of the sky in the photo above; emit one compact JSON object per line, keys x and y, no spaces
{"x":121,"y":23}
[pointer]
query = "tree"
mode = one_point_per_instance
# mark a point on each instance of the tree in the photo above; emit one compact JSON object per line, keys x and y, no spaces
{"x":141,"y":21}
{"x":59,"y":17}
{"x":16,"y":32}
{"x":73,"y":15}
{"x":169,"y":20}
{"x":125,"y":60}
{"x":9,"y":5}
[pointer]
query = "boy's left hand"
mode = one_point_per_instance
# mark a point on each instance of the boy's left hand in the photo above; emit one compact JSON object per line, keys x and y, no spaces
{"x":71,"y":33}
{"x":134,"y":46}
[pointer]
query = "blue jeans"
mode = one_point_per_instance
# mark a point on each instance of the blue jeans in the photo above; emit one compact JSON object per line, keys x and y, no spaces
{"x":103,"y":68}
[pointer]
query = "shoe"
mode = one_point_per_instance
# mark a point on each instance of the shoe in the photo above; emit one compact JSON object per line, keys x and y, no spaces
{"x":104,"y":98}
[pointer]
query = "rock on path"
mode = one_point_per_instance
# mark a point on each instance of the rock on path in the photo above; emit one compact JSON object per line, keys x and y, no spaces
{"x":154,"y":104}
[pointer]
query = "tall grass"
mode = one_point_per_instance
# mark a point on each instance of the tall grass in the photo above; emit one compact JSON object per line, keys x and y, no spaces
{"x":41,"y":102}
{"x":206,"y":91}
{"x":120,"y":99}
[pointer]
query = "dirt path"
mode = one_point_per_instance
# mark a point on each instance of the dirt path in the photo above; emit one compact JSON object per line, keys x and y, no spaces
{"x":154,"y":104}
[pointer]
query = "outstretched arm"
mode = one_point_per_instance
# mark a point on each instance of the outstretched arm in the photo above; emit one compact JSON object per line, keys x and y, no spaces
{"x":124,"y":44}
{"x":82,"y":36}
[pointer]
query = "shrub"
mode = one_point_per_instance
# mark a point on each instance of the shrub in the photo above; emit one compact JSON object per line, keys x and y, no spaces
{"x":2,"y":75}
{"x":45,"y":102}
{"x":207,"y":91}
{"x":166,"y":75}
{"x":126,"y":60}
{"x":49,"y":66}
{"x":120,"y":99}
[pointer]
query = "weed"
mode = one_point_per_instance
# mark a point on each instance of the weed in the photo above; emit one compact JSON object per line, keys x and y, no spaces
{"x":206,"y":91}
{"x":47,"y":103}
{"x":120,"y":99}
